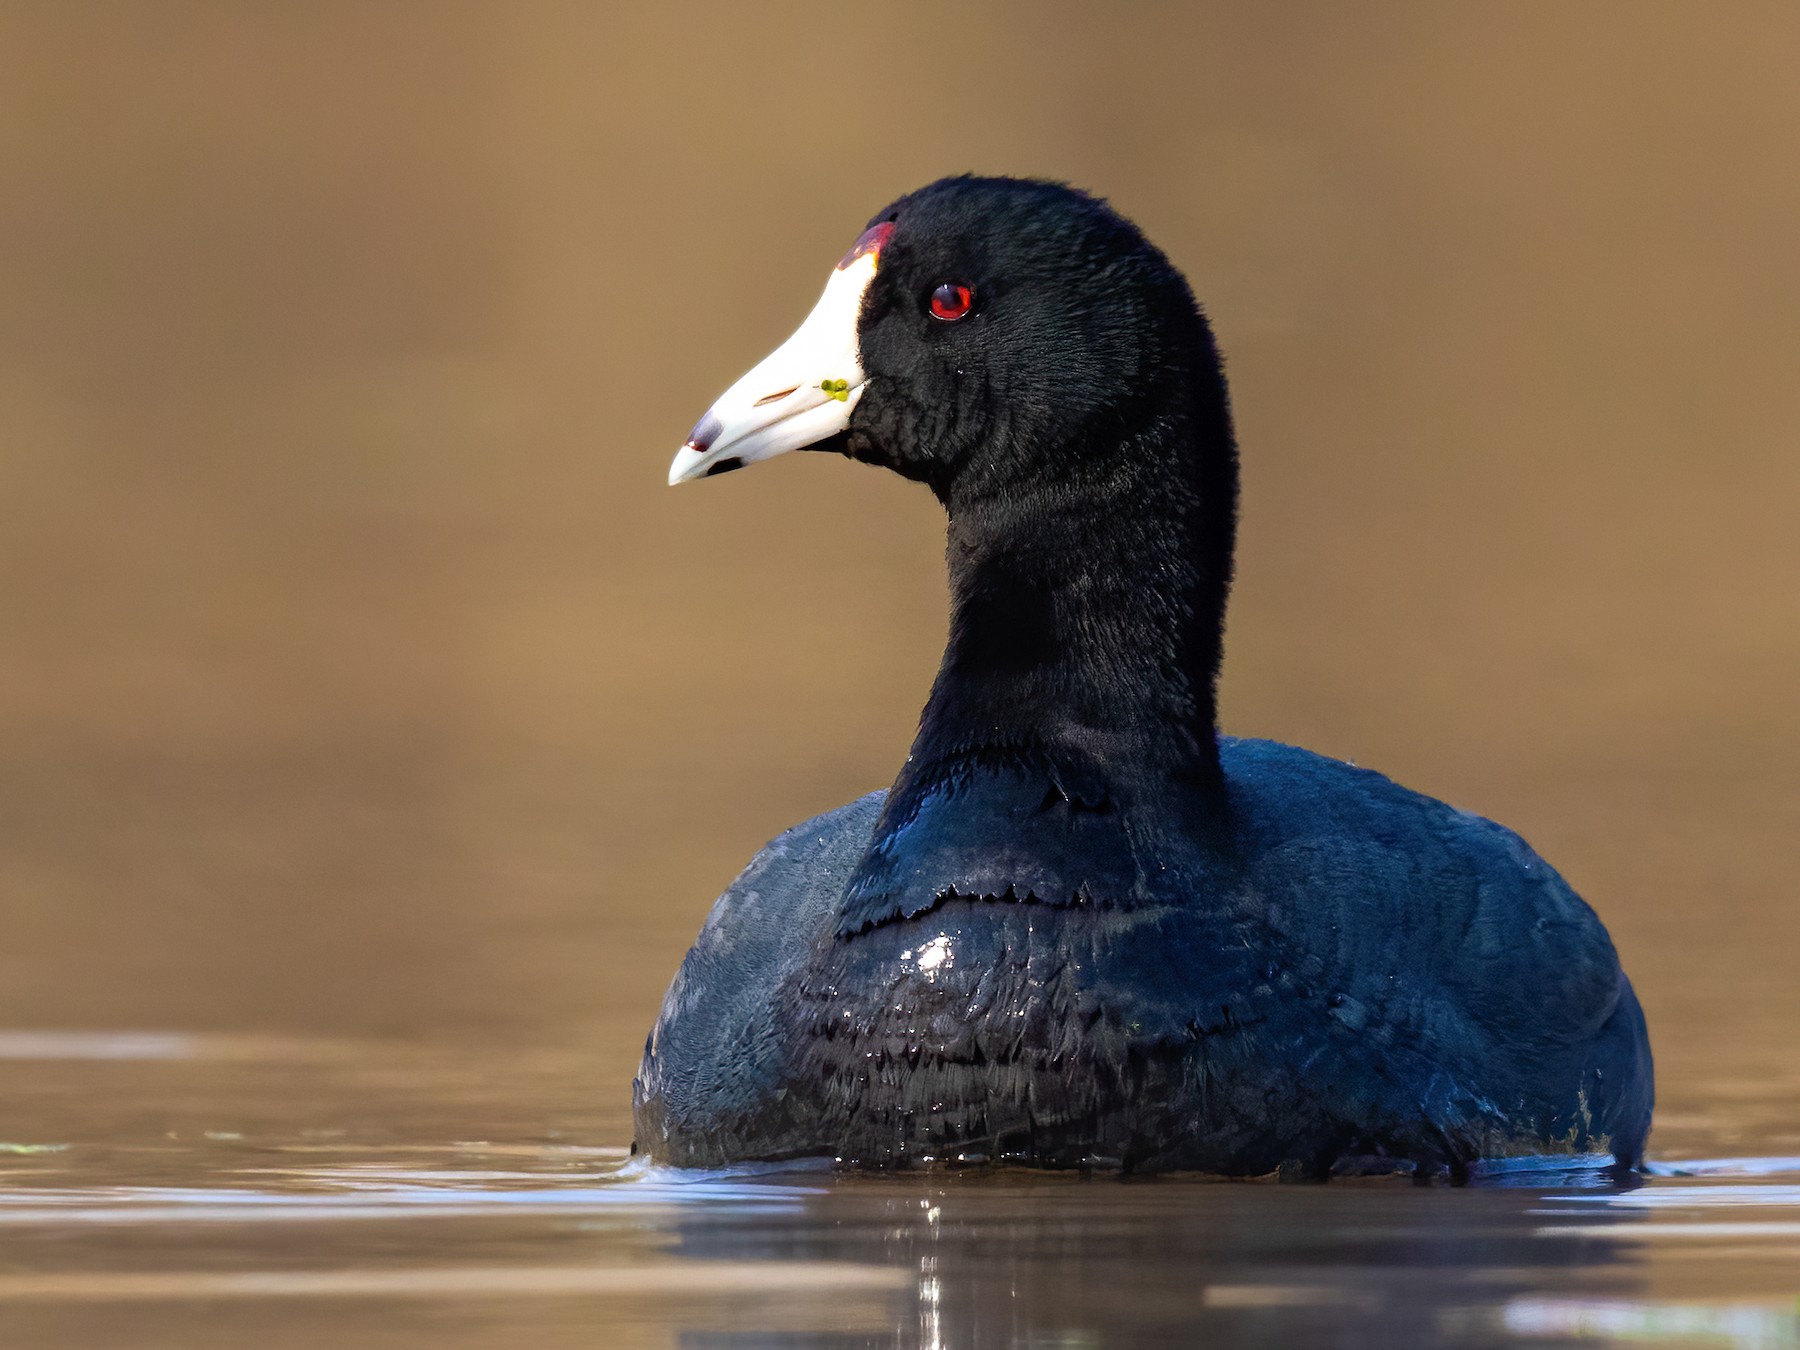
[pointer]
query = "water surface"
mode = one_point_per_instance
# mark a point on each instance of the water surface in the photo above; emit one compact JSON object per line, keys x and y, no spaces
{"x":174,"y":1190}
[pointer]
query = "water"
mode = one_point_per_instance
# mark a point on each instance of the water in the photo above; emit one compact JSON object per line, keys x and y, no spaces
{"x":197,"y":1191}
{"x":375,"y":726}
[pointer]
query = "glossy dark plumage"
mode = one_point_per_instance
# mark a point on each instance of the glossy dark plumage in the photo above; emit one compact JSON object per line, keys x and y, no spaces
{"x":1081,"y":927}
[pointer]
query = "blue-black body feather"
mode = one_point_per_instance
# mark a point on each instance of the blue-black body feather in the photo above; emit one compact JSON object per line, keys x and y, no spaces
{"x":1361,"y":977}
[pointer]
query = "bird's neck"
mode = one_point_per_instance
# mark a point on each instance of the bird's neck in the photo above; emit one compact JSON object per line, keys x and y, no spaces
{"x":1076,"y":701}
{"x":1082,"y":635}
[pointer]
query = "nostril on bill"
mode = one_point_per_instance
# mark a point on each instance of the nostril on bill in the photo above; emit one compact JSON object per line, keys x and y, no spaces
{"x":705,"y":432}
{"x":774,"y":398}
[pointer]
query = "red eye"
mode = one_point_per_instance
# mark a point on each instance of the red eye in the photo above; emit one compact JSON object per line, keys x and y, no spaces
{"x":951,"y":301}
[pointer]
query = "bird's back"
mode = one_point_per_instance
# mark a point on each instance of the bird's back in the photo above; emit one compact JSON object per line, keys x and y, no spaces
{"x":1361,"y":972}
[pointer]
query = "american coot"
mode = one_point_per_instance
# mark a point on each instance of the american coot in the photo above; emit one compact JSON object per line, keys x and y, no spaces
{"x":1082,"y":928}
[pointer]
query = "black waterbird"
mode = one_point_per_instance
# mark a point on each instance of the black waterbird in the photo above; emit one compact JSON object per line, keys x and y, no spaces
{"x":1083,"y":928}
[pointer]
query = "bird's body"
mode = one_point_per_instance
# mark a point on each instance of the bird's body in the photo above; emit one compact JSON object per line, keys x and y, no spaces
{"x":1082,"y":927}
{"x":1357,"y":982}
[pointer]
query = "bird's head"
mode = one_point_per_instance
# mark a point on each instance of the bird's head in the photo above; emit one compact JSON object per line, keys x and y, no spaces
{"x":981,"y":334}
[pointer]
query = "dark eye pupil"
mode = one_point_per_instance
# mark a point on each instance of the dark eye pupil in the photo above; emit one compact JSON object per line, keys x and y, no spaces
{"x":951,"y":301}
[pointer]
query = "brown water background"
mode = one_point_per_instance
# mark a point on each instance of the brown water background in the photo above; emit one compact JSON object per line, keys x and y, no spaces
{"x":361,"y":681}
